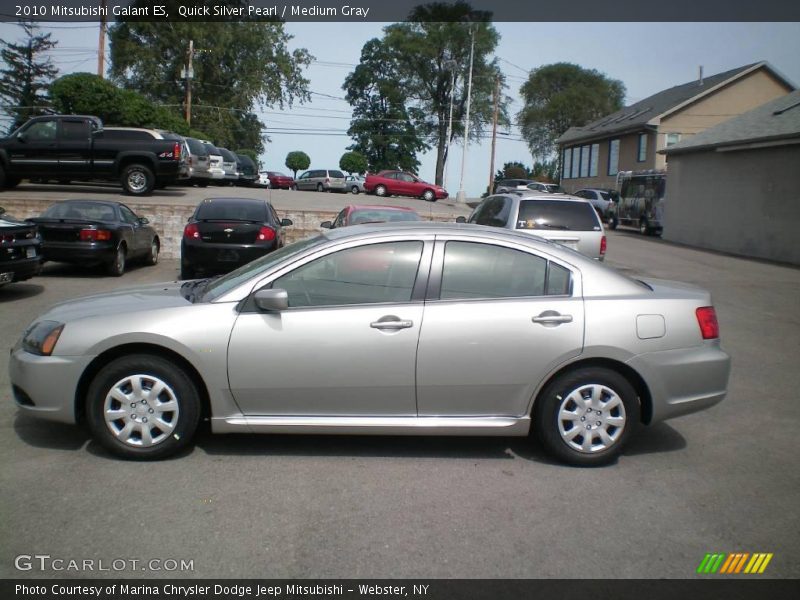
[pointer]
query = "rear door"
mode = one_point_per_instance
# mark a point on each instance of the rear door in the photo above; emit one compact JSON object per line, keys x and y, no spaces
{"x":498,"y":319}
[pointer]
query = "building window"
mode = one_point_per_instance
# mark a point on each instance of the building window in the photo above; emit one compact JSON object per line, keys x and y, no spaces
{"x":576,"y":160}
{"x":585,"y":160}
{"x":672,"y":139}
{"x":642,"y":156}
{"x":613,"y":157}
{"x":593,"y":160}
{"x":567,"y":166}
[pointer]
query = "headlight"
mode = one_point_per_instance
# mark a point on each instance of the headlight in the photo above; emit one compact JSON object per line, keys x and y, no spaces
{"x":42,"y":337}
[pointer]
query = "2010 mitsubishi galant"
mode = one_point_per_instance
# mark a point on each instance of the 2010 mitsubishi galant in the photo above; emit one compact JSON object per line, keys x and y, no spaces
{"x":417,"y":328}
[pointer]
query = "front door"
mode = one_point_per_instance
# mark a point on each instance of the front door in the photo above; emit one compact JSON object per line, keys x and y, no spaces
{"x":347,"y":344}
{"x":34,"y":151}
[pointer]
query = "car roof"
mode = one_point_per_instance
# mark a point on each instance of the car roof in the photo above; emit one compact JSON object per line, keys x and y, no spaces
{"x":89,"y":201}
{"x":234,"y":199}
{"x":353,"y":207}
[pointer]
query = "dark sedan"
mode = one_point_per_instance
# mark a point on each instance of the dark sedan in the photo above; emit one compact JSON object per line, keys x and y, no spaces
{"x":20,"y":256}
{"x":225,"y":233}
{"x":94,"y":232}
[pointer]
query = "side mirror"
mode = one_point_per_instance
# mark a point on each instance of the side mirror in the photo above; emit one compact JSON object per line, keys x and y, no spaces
{"x":286,"y":222}
{"x":272,"y":300}
{"x":461,"y":219}
{"x":326,"y":224}
{"x":21,"y":137}
{"x":144,"y":221}
{"x":189,"y":219}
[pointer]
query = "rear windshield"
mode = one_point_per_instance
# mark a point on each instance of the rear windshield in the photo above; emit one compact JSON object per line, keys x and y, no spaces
{"x":227,"y":155}
{"x":336,"y":174}
{"x":245,"y":160}
{"x":231,"y":211}
{"x":378,"y":216}
{"x":212,"y":149}
{"x":196,"y":147}
{"x":275,"y":174}
{"x":605,"y":195}
{"x":557,"y":214}
{"x":88,"y":211}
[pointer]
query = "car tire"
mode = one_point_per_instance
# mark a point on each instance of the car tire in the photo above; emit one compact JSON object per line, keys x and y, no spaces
{"x":116,"y":267}
{"x":123,"y":389}
{"x":355,"y":190}
{"x":602,"y":395}
{"x":294,"y":187}
{"x":152,"y":255}
{"x":429,"y":196}
{"x":138,"y":180}
{"x":644,"y":227}
{"x":320,"y":188}
{"x":202,"y":184}
{"x":380,"y":190}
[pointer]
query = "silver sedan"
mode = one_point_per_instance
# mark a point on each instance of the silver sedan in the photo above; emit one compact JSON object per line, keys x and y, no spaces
{"x":418,"y":328}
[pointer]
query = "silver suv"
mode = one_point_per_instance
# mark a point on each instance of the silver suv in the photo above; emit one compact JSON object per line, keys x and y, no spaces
{"x":322,"y":180}
{"x":559,"y":218}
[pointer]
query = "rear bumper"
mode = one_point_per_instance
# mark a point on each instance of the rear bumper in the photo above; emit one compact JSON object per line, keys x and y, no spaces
{"x":684,"y":381}
{"x":79,"y":252}
{"x":221,"y":258}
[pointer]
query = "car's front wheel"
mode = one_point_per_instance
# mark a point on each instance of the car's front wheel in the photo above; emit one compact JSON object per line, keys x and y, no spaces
{"x":142,"y":407}
{"x":584,"y":417}
{"x":152,"y":256}
{"x":428,"y":196}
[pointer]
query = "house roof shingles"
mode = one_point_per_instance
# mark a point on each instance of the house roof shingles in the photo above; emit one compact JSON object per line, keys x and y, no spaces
{"x":775,"y":120}
{"x":637,"y":115}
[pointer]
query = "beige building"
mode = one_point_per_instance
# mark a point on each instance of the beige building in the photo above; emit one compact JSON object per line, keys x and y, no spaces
{"x":736,"y":187}
{"x":631,"y":139}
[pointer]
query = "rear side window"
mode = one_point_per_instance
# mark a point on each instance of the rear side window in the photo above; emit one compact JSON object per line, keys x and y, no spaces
{"x":231,"y":211}
{"x":557,"y":214}
{"x":494,"y":212}
{"x":75,"y":130}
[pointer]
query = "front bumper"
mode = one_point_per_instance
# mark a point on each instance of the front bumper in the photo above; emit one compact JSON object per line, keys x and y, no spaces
{"x":21,"y":269}
{"x":45,"y":386}
{"x":684,"y":381}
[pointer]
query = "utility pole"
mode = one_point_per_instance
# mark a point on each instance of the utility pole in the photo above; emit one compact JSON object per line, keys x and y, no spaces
{"x":189,"y":73}
{"x":101,"y":44}
{"x":494,"y":131}
{"x":461,"y":196}
{"x":452,"y":64}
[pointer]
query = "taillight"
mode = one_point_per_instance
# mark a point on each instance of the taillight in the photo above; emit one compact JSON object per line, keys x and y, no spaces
{"x":327,"y":180}
{"x":265,"y":234}
{"x":603,"y":245}
{"x":95,"y":235}
{"x":176,"y":150}
{"x":191,"y":231}
{"x":707,"y":319}
{"x":7,"y":238}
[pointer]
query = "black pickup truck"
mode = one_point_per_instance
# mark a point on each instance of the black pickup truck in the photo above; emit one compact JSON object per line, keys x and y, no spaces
{"x":72,"y":147}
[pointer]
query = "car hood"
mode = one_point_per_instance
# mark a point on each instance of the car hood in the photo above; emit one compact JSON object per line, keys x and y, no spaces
{"x":125,"y":301}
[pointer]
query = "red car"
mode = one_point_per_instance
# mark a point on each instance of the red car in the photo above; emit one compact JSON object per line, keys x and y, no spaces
{"x":400,"y":183}
{"x":279,"y":181}
{"x":356,"y":214}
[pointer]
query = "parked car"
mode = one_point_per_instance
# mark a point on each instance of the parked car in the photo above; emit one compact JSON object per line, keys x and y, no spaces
{"x":326,"y":336}
{"x":20,"y":255}
{"x":355,"y":183}
{"x":559,"y":218}
{"x":198,"y":162}
{"x":279,"y":181}
{"x":74,"y":147}
{"x":358,"y":214}
{"x":400,"y":183}
{"x":553,"y":188}
{"x":96,"y":232}
{"x":503,"y":186}
{"x":321,"y":180}
{"x":602,"y":200}
{"x":225,"y":233}
{"x":229,"y":166}
{"x":247,"y":170}
{"x":215,"y":162}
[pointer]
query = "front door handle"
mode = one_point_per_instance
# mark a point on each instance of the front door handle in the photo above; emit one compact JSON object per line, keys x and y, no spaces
{"x":552,"y":318}
{"x":391,"y":323}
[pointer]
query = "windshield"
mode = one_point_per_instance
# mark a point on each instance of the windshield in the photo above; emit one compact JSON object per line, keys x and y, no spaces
{"x":557,"y":214}
{"x":226,"y":283}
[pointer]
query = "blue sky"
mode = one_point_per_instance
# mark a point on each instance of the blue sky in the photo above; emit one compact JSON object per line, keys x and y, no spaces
{"x":647,"y":57}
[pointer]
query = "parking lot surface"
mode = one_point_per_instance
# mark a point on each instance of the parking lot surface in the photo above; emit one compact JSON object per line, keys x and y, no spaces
{"x":723,"y":480}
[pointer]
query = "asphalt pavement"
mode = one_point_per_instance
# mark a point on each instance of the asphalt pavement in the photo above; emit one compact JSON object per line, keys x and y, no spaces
{"x":274,"y":506}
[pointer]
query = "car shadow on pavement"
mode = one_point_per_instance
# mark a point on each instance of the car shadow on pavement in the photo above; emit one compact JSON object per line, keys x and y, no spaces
{"x":172,"y":191}
{"x":56,"y":269}
{"x":655,"y":439}
{"x":19,"y":291}
{"x":50,"y":435}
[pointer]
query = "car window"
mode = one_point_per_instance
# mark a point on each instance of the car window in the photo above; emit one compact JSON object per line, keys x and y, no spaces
{"x":368,"y":274}
{"x":406,"y":177}
{"x":75,"y":130}
{"x":495,"y":213}
{"x":336,"y":174}
{"x":390,"y":175}
{"x":128,"y":216}
{"x":41,"y":131}
{"x":475,"y":270}
{"x":339,"y":219}
{"x":557,"y":214}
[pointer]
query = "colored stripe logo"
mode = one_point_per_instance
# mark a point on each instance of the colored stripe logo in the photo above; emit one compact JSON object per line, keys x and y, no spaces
{"x":734,"y":563}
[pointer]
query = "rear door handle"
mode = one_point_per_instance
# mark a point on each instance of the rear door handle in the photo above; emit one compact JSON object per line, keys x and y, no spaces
{"x":551,"y":318}
{"x":391,"y":324}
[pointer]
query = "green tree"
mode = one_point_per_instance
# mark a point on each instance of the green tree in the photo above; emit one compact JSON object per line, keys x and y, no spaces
{"x":353,"y":162}
{"x":564,"y":95}
{"x":429,"y":48}
{"x":382,"y":125}
{"x":297,"y":161}
{"x":237,"y":66}
{"x":26,"y":75}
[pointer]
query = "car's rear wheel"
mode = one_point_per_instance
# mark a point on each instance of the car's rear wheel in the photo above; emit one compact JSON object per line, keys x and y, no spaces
{"x":152,"y":256}
{"x":354,"y":189}
{"x":428,"y":196}
{"x":142,"y":407}
{"x":380,"y":190}
{"x":137,"y":180}
{"x":320,"y":188}
{"x":117,"y":266}
{"x":584,"y":417}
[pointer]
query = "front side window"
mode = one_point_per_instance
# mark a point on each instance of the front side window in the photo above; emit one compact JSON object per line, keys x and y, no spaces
{"x":476,"y":270}
{"x":128,"y":216}
{"x":371,"y":274}
{"x":42,"y":131}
